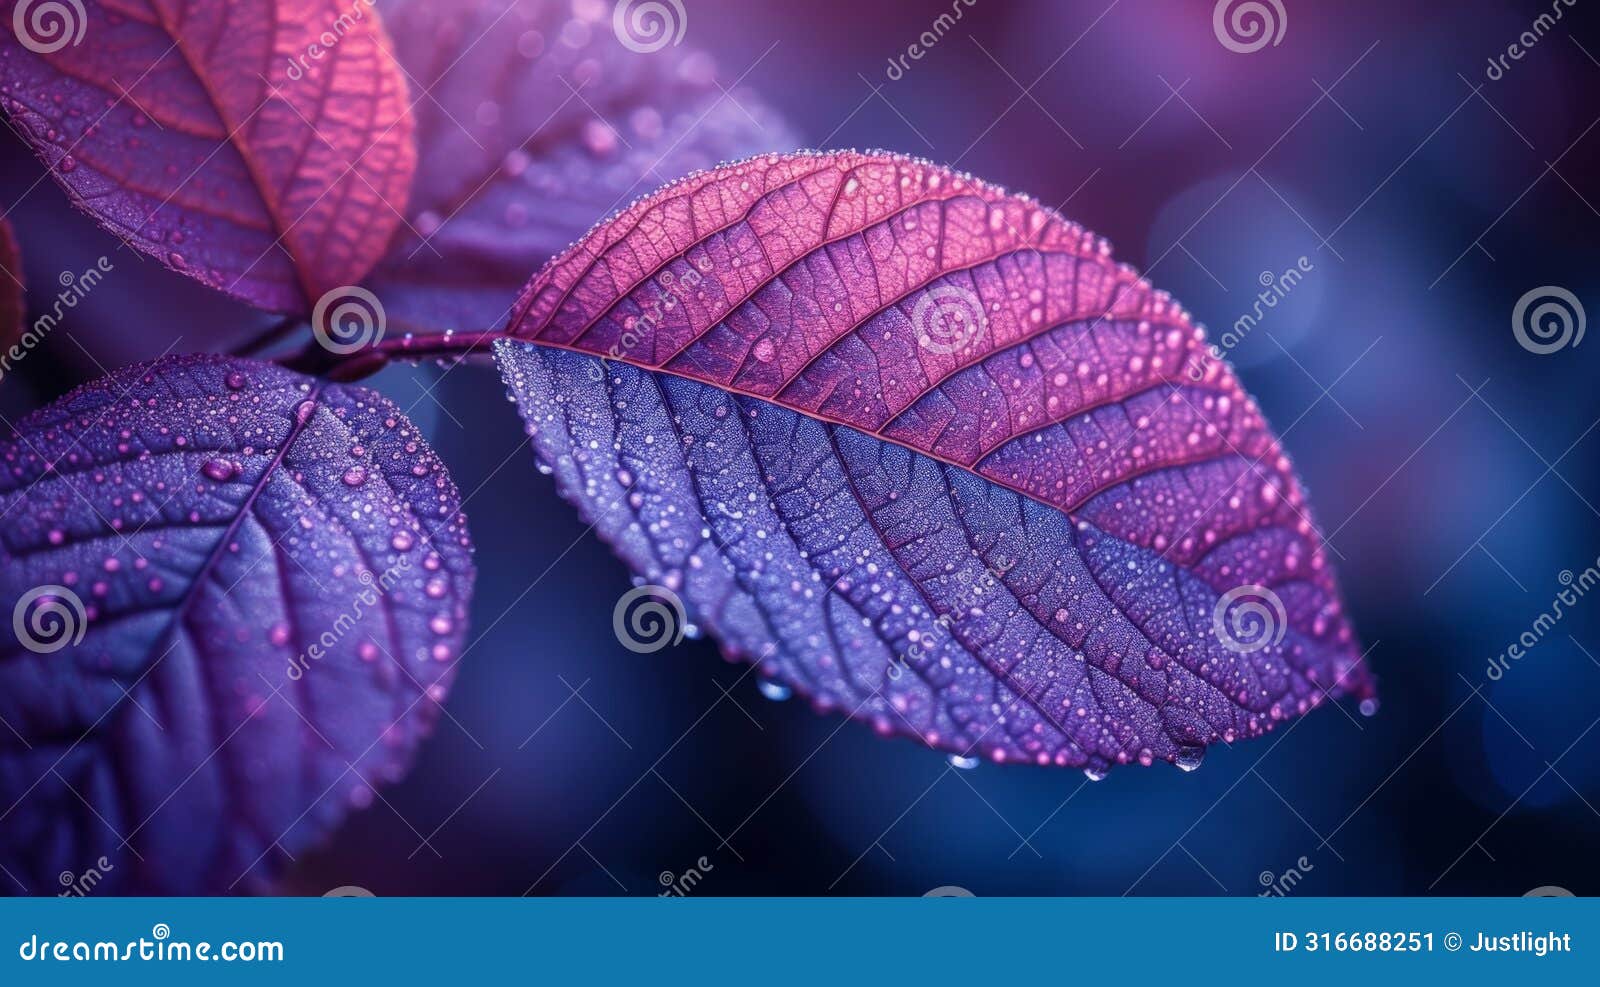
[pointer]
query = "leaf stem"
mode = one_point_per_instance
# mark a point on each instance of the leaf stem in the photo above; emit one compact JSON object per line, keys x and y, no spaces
{"x":266,"y":337}
{"x":317,"y":360}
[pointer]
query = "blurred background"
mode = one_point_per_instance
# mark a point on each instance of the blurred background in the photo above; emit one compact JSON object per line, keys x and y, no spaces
{"x":1421,"y":189}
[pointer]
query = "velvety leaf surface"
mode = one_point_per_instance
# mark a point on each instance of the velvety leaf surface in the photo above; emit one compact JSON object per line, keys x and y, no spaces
{"x":12,"y":297}
{"x":536,"y":121}
{"x":212,"y":136}
{"x":1062,"y":490}
{"x":235,"y":594}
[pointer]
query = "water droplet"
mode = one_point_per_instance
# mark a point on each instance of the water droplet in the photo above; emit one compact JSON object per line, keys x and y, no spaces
{"x":220,"y":470}
{"x":355,"y":476}
{"x":963,"y":763}
{"x":775,"y":691}
{"x":1369,"y":707}
{"x":1189,"y":758}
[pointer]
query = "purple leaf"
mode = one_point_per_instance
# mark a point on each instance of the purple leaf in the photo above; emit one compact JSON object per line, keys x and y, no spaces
{"x":12,"y":301}
{"x":235,"y":596}
{"x":231,"y":141}
{"x":924,"y":452}
{"x":536,"y":121}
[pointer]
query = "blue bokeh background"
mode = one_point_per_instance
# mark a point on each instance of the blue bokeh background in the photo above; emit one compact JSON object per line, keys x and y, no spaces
{"x":1454,"y":472}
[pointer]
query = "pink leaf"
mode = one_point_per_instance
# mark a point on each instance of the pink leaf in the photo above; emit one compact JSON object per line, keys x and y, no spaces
{"x":537,"y":121}
{"x":1173,"y":590}
{"x":261,"y":147}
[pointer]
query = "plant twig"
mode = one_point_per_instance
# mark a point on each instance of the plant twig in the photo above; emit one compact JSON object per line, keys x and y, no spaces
{"x":266,"y":337}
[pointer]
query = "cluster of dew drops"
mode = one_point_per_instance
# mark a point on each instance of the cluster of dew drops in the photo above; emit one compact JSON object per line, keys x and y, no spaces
{"x":244,"y":408}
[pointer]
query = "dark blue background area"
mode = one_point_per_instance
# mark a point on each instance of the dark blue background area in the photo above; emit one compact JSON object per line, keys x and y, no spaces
{"x":1454,"y":472}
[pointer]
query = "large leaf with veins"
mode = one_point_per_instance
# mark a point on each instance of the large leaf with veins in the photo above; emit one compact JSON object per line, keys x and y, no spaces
{"x":234,"y":599}
{"x":924,"y":451}
{"x":537,"y":121}
{"x":229,"y":140}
